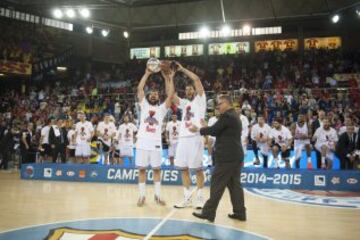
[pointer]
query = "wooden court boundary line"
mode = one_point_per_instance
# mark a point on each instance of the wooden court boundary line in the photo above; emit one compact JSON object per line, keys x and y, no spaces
{"x":299,"y":203}
{"x":167,"y":217}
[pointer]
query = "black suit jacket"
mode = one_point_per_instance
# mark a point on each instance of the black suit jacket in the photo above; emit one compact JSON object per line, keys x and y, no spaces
{"x":315,"y":125}
{"x":57,"y":140}
{"x":227,"y":131}
{"x":343,"y":146}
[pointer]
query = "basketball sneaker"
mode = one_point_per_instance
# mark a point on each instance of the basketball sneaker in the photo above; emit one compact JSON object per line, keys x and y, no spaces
{"x":184,"y":204}
{"x":159,"y":201}
{"x":141,"y":201}
{"x":199,"y":202}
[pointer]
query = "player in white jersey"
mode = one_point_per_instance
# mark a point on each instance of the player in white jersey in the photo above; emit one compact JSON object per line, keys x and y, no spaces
{"x":189,"y":152}
{"x":45,"y":149}
{"x":260,"y":135}
{"x":172,"y":135}
{"x":148,"y":144}
{"x":105,"y":132}
{"x":72,"y":142}
{"x":244,"y":132}
{"x":302,"y":135}
{"x":326,"y":139}
{"x":210,"y":139}
{"x":84,"y":131}
{"x":281,"y":141}
{"x":126,"y":139}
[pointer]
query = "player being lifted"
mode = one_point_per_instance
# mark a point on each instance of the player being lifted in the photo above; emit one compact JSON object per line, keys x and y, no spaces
{"x":148,"y":144}
{"x":189,"y":152}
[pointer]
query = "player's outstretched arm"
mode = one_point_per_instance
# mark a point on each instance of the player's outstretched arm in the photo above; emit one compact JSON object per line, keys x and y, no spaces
{"x":195,"y":78}
{"x":169,"y":87}
{"x":140,"y":88}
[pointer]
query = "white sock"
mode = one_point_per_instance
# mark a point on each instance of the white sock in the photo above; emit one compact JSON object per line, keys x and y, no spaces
{"x":187,"y":193}
{"x":157,"y":188}
{"x":322,"y":160}
{"x":142,"y":189}
{"x":210,"y":160}
{"x":199,"y":193}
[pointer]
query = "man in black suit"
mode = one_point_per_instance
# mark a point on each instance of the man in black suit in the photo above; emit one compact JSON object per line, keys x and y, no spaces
{"x":228,"y":159}
{"x":58,"y":140}
{"x":346,"y":147}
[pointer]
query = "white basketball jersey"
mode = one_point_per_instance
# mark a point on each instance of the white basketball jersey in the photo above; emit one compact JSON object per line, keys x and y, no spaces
{"x":303,"y":130}
{"x":151,"y":119}
{"x":173,"y":128}
{"x":192,"y":113}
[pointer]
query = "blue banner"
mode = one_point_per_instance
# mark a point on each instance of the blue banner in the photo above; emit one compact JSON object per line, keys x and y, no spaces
{"x":328,"y":180}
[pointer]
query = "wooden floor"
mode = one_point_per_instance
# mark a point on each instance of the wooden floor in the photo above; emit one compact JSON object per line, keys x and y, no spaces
{"x":25,"y":203}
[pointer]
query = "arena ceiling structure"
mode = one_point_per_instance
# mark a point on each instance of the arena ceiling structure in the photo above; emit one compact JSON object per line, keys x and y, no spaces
{"x":149,"y":14}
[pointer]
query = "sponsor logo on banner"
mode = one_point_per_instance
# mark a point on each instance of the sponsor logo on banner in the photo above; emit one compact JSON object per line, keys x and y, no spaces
{"x":184,"y":50}
{"x":320,"y":180}
{"x":15,"y":67}
{"x":167,"y":176}
{"x":318,"y":198}
{"x":352,"y":181}
{"x":70,"y":173}
{"x":325,"y":42}
{"x":276,"y":45}
{"x":58,"y":173}
{"x":335,"y":180}
{"x":47,"y":172}
{"x":229,"y":48}
{"x":141,"y":53}
{"x":82,"y":174}
{"x":93,"y":174}
{"x":29,"y":171}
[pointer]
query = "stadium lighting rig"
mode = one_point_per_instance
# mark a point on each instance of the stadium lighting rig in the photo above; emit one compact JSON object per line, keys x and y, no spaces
{"x":58,"y":13}
{"x":71,"y":12}
{"x":335,"y":18}
{"x":84,"y":12}
{"x":225,"y":30}
{"x":89,"y":29}
{"x":204,"y":32}
{"x":105,"y":32}
{"x":246,"y":29}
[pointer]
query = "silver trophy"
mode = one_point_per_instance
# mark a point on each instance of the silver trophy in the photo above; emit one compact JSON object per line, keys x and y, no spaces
{"x":153,"y":64}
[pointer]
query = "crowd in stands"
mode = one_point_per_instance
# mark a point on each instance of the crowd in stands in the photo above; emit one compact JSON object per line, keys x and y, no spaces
{"x":273,"y":84}
{"x":29,"y":43}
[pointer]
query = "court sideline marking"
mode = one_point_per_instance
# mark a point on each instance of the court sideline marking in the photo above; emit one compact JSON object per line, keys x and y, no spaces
{"x":166,"y":218}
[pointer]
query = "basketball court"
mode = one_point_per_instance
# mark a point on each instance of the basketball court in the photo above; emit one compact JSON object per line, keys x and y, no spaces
{"x":72,"y":210}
